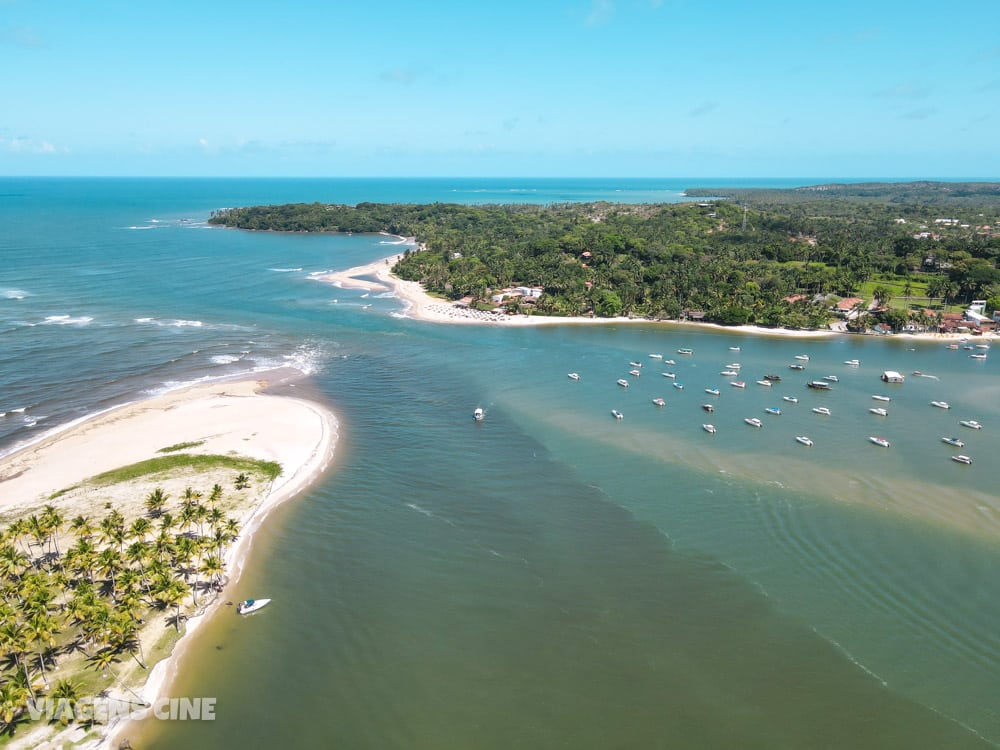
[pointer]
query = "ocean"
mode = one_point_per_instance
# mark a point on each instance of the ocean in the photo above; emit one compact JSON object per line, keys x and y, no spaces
{"x":551,"y":576}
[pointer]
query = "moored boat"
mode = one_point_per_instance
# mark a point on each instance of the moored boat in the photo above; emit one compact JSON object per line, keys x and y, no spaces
{"x":957,"y":442}
{"x":753,"y":421}
{"x":738,"y":384}
{"x":669,"y":375}
{"x":247,"y":606}
{"x":656,"y":356}
{"x":659,"y":402}
{"x":623,"y":382}
{"x":734,"y":348}
{"x":804,"y":440}
{"x":790,"y":399}
{"x":941,"y":404}
{"x":773,"y":410}
{"x":669,"y":362}
{"x":971,"y":424}
{"x":803,"y":357}
{"x":852,"y":362}
{"x":573,"y":375}
{"x":962,"y":459}
{"x":635,"y":364}
{"x":679,"y":386}
{"x":708,"y":428}
{"x":765,"y":383}
{"x":819,"y":385}
{"x":728,"y":373}
{"x":822,"y":410}
{"x":796,"y":367}
{"x":685,"y":351}
{"x":617,"y":414}
{"x":879,"y":441}
{"x":881,"y":398}
{"x":879,"y":410}
{"x":635,"y":373}
{"x":712,"y":391}
{"x":831,"y":378}
{"x":977,"y":356}
{"x":708,"y":407}
{"x":479,"y":415}
{"x":773,"y":378}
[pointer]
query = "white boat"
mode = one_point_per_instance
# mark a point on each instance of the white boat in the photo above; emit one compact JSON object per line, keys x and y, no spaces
{"x":852,"y":362}
{"x":573,"y":376}
{"x":635,"y":373}
{"x":804,"y":440}
{"x":765,"y":383}
{"x":822,"y":410}
{"x":796,"y":367}
{"x":831,"y":378}
{"x":617,"y":414}
{"x":952,"y":346}
{"x":728,"y":373}
{"x":669,"y":362}
{"x":971,"y":423}
{"x":879,"y":410}
{"x":734,"y":365}
{"x":941,"y":404}
{"x":679,"y":386}
{"x":708,"y":407}
{"x":247,"y":606}
{"x":879,"y":441}
{"x":734,"y":348}
{"x":977,"y":356}
{"x":712,"y":391}
{"x":790,"y":399}
{"x":962,"y":459}
{"x":656,"y":356}
{"x":753,"y":421}
{"x":623,"y":382}
{"x":881,"y":398}
{"x":982,"y":346}
{"x":478,"y":414}
{"x":803,"y":357}
{"x":635,"y":364}
{"x":820,"y":385}
{"x":708,"y":428}
{"x":773,"y":410}
{"x":659,"y":402}
{"x":685,"y":351}
{"x":669,"y":375}
{"x":738,"y":384}
{"x":953,"y":441}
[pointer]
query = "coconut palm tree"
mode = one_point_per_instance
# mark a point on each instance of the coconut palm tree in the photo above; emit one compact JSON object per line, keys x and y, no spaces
{"x":242,"y":481}
{"x":67,"y":693}
{"x":13,"y":701}
{"x":41,"y":629}
{"x":155,"y":502}
{"x":213,"y":569}
{"x":14,"y":642}
{"x":171,"y":593}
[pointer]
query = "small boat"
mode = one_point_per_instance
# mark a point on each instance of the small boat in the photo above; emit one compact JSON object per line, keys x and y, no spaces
{"x":247,"y":606}
{"x":773,"y":410}
{"x":852,"y":362}
{"x":982,"y":346}
{"x":712,"y":391}
{"x":659,"y":402}
{"x":765,"y":383}
{"x":790,"y":399}
{"x":708,"y":428}
{"x":679,"y":386}
{"x":879,"y":441}
{"x":617,"y":414}
{"x":822,"y":410}
{"x":728,"y":373}
{"x":753,"y":421}
{"x":804,"y":440}
{"x":669,"y":362}
{"x":796,"y":367}
{"x":952,"y":346}
{"x":479,"y":415}
{"x":882,"y":398}
{"x":831,"y":378}
{"x":738,"y":384}
{"x":962,"y":459}
{"x":971,"y":423}
{"x":977,"y":356}
{"x":820,"y":385}
{"x":708,"y":407}
{"x":623,"y":382}
{"x":734,"y":348}
{"x":879,"y":410}
{"x":803,"y":357}
{"x":635,"y":373}
{"x":773,"y":378}
{"x":941,"y":404}
{"x":573,"y":376}
{"x":669,"y":375}
{"x":734,"y":366}
{"x":953,"y":441}
{"x":635,"y":364}
{"x":656,"y":356}
{"x":685,"y":351}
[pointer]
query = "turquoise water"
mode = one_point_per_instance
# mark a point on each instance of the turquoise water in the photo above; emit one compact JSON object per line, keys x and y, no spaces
{"x":551,"y":576}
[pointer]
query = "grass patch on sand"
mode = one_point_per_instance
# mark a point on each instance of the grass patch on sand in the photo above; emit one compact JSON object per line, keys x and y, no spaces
{"x":187,"y":462}
{"x":180,"y":446}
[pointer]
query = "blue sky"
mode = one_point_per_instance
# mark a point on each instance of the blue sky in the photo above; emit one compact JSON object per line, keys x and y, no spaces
{"x":645,"y":88}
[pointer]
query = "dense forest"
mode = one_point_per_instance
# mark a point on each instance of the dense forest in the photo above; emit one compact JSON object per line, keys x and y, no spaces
{"x":770,"y":257}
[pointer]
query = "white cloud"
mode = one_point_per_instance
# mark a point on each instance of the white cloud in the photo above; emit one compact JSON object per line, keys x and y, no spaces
{"x":21,"y":145}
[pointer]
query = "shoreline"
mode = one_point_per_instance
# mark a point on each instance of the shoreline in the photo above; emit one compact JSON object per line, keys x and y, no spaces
{"x":229,"y":417}
{"x":419,"y":305}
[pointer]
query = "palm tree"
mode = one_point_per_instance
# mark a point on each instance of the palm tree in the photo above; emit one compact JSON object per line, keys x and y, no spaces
{"x":155,"y":502}
{"x":13,"y":701}
{"x":171,"y":593}
{"x":41,"y":629}
{"x":67,"y":693}
{"x":53,"y":519}
{"x":14,"y":641}
{"x":213,"y":569}
{"x":242,"y":481}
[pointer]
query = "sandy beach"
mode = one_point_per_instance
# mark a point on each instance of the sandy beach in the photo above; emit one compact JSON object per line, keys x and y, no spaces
{"x":419,"y":305}
{"x":223,"y":418}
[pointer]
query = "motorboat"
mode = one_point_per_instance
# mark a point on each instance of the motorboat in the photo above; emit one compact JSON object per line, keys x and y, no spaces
{"x":617,"y":414}
{"x":753,"y":421}
{"x":773,"y":410}
{"x":635,"y":364}
{"x":962,"y":459}
{"x":708,"y":407}
{"x":734,"y":348}
{"x":635,"y":373}
{"x":831,"y":378}
{"x":712,"y":391}
{"x":773,"y":378}
{"x":803,"y":357}
{"x":738,"y":384}
{"x":977,"y":356}
{"x":852,"y":362}
{"x":669,"y":375}
{"x":247,"y":606}
{"x":796,"y":367}
{"x":879,"y":410}
{"x":728,"y":373}
{"x":822,"y":410}
{"x":982,"y":346}
{"x":804,"y":440}
{"x":656,"y":356}
{"x":952,"y":346}
{"x":573,"y":376}
{"x":879,"y":441}
{"x":734,"y":366}
{"x":941,"y":404}
{"x":623,"y":382}
{"x":958,"y":443}
{"x":881,"y":398}
{"x":971,"y":423}
{"x":708,"y":428}
{"x":669,"y":362}
{"x":659,"y":402}
{"x":679,"y":386}
{"x":685,"y":351}
{"x":765,"y":383}
{"x":479,"y":415}
{"x":820,"y":385}
{"x":790,"y":399}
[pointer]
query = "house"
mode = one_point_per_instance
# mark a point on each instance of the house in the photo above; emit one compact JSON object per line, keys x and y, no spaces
{"x":847,"y":304}
{"x":793,"y":298}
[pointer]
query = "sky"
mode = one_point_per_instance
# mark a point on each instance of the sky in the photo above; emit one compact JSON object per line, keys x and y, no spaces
{"x":547,"y":88}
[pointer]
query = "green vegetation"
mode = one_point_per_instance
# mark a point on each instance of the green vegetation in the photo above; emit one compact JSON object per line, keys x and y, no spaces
{"x":775,"y":258}
{"x":181,"y":446}
{"x":186,"y":461}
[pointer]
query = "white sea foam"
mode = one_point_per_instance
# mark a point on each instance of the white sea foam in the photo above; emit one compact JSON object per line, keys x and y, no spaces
{"x":170,"y":322}
{"x":140,"y":228}
{"x":14,"y":294}
{"x":285,"y":270}
{"x":225,"y":359}
{"x":67,"y":320}
{"x":19,"y":411}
